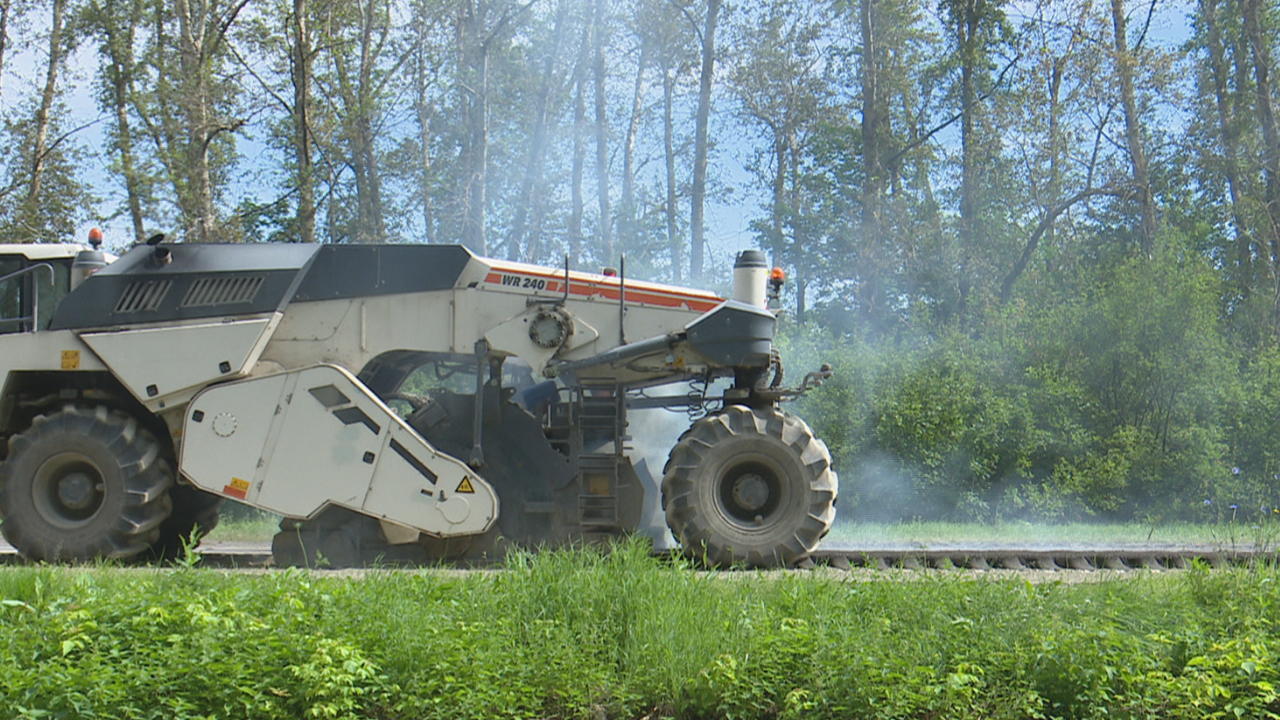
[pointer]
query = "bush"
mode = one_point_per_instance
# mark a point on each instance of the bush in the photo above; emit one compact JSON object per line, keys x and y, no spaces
{"x":577,"y":634}
{"x":1123,"y":405}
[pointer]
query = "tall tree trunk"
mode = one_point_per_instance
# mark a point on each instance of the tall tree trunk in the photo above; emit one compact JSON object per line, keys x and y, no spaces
{"x":875,"y":132}
{"x":197,"y":41}
{"x":969,"y":166}
{"x":120,"y":72}
{"x":300,"y":71}
{"x":1229,"y":134}
{"x":791,"y":144}
{"x":422,"y":111}
{"x":128,"y":165}
{"x":1050,"y":203}
{"x":39,"y":146}
{"x":1261,"y":50}
{"x":371,"y":223}
{"x":1133,"y":129}
{"x":474,"y":45}
{"x":698,"y":197}
{"x":192,"y":60}
{"x":602,"y":136}
{"x":628,"y":225}
{"x":779,"y":196}
{"x":6,"y":7}
{"x":579,"y":151}
{"x":475,"y":62}
{"x":674,"y":243}
{"x":518,"y":243}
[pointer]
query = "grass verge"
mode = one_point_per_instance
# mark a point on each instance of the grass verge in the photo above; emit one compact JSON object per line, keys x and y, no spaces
{"x":586,"y":634}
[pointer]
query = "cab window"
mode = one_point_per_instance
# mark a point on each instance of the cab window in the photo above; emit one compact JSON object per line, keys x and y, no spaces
{"x":17,"y":299}
{"x":11,"y":295}
{"x":52,"y":289}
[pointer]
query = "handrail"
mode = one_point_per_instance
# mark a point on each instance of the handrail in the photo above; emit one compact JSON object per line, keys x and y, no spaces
{"x":35,"y":294}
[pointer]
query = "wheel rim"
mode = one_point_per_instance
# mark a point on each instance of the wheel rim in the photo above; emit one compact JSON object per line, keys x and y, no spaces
{"x":751,"y":491}
{"x":68,"y":490}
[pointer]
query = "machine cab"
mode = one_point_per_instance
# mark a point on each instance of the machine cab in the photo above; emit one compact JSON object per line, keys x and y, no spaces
{"x":34,"y":278}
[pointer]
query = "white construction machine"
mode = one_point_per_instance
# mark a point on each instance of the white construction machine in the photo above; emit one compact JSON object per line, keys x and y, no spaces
{"x":394,"y":403}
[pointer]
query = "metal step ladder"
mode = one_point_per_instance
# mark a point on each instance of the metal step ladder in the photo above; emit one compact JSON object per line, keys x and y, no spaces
{"x":600,"y":413}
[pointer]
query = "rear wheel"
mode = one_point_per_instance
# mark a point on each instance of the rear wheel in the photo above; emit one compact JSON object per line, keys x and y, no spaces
{"x":84,"y":483}
{"x":749,"y":487}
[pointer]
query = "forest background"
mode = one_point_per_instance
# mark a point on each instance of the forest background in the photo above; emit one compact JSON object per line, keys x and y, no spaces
{"x":1039,"y":241}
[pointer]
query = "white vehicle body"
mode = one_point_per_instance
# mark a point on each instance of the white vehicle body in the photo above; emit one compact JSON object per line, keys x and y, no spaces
{"x":268,"y":371}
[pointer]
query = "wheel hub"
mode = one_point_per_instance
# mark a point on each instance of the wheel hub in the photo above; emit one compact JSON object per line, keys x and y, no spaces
{"x":76,"y":491}
{"x":68,"y":490}
{"x":750,"y":491}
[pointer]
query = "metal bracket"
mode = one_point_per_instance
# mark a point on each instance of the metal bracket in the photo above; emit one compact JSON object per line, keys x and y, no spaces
{"x":476,"y":461}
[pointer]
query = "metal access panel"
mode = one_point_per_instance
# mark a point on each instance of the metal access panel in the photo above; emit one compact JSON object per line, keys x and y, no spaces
{"x":166,"y":364}
{"x":296,"y":442}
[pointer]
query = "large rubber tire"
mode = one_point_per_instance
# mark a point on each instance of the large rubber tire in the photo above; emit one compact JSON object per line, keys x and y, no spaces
{"x":749,"y":487}
{"x":84,"y":483}
{"x":195,"y":513}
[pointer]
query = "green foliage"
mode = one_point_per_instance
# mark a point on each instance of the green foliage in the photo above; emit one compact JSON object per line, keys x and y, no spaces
{"x":590,"y":633}
{"x":178,"y":645}
{"x":1125,"y":404}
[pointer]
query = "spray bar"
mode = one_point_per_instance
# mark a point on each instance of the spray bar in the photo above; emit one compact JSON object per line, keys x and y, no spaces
{"x":619,"y":354}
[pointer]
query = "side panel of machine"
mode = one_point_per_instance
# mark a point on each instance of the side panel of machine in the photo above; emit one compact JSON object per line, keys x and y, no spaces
{"x":296,"y":442}
{"x":168,"y":364}
{"x":351,"y":332}
{"x":52,"y":350}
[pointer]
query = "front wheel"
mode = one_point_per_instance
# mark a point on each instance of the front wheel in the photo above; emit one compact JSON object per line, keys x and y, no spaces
{"x":84,"y":483}
{"x":749,"y":487}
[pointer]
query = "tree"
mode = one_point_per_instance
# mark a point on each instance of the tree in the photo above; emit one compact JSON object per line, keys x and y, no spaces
{"x":189,"y":107}
{"x":781,"y":80}
{"x":702,"y":141}
{"x":481,"y":24}
{"x":116,"y":25}
{"x":977,"y":29}
{"x":600,"y":36}
{"x":44,"y":192}
{"x":40,"y":141}
{"x":546,"y":106}
{"x":1124,"y":61}
{"x":302,"y":58}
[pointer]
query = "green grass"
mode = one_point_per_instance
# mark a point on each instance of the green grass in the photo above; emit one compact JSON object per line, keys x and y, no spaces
{"x":250,"y":529}
{"x":588,"y":634}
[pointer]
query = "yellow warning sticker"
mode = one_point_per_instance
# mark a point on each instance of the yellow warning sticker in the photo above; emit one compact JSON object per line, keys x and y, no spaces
{"x":70,"y":359}
{"x":239,"y":488}
{"x":465,"y":486}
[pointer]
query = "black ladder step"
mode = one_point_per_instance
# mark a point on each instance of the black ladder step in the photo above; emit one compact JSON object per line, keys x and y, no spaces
{"x":598,"y":510}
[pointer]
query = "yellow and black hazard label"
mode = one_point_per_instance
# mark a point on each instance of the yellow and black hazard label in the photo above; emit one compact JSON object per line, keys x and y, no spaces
{"x":465,"y":486}
{"x":239,"y":488}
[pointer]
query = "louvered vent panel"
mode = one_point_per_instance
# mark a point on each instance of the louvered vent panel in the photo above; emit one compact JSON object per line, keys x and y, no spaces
{"x":210,"y":292}
{"x":143,"y":296}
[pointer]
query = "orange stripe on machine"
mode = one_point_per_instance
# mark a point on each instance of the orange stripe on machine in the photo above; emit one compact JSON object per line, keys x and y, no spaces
{"x":647,"y":294}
